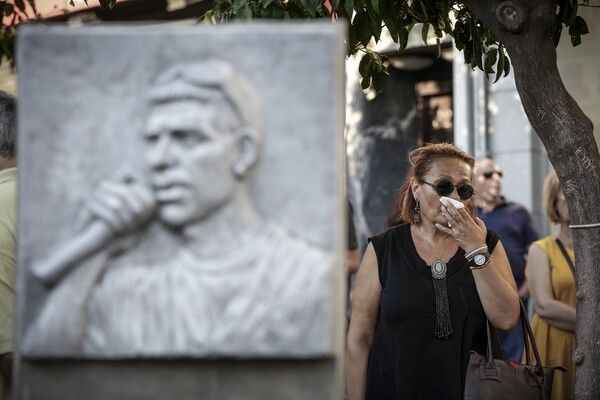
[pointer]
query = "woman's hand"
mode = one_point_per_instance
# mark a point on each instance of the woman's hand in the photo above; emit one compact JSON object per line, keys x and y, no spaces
{"x":468,"y":233}
{"x":495,"y":283}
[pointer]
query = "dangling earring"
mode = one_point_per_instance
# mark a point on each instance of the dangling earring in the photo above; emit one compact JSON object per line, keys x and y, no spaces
{"x":417,"y":212}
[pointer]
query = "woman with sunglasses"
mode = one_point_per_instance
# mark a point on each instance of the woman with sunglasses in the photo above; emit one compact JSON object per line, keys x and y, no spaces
{"x":425,"y":287}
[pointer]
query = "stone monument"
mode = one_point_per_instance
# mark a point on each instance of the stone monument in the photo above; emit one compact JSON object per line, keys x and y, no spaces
{"x":181,"y":212}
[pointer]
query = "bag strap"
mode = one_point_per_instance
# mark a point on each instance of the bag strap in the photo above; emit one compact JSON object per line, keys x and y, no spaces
{"x":564,"y":251}
{"x":527,"y":336}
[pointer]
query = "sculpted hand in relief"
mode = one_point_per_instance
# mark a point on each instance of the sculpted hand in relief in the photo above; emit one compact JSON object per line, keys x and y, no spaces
{"x":122,"y":205}
{"x":119,"y":206}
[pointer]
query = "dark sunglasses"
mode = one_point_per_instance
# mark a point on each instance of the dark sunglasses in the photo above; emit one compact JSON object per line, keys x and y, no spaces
{"x":445,"y":188}
{"x":488,"y":175}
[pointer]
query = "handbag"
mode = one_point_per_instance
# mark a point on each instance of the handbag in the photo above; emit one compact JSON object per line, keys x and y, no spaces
{"x":566,"y":255}
{"x":489,"y":377}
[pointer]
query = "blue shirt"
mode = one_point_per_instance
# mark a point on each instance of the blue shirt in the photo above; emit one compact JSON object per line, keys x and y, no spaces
{"x":513,"y":224}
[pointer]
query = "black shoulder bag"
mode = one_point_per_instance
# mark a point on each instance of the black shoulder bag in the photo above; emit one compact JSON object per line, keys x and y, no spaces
{"x":491,"y":378}
{"x":564,"y":251}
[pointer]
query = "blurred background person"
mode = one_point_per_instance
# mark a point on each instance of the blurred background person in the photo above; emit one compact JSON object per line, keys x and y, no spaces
{"x":551,"y":275}
{"x":8,"y":208}
{"x":352,"y":256}
{"x":512,"y":222}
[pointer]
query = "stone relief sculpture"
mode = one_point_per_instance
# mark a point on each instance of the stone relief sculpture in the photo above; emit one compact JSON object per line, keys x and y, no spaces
{"x":229,"y":284}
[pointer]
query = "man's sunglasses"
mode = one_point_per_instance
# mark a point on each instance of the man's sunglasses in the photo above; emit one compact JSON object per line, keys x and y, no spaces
{"x":445,"y":188}
{"x":488,"y":175}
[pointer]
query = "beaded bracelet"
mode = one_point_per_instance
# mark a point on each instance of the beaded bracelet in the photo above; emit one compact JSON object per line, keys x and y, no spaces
{"x":470,"y":254}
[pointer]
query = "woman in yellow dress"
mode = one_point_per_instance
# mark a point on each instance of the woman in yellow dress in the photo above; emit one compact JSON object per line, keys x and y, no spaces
{"x":552,"y":285}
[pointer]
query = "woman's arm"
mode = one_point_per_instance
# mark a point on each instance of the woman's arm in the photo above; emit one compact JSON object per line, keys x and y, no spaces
{"x":365,"y":309}
{"x":495,"y":283}
{"x":498,"y":291}
{"x":554,"y":312}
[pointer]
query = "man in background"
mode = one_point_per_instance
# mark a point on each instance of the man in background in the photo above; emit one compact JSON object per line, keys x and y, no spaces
{"x":8,"y":189}
{"x":513,"y":223}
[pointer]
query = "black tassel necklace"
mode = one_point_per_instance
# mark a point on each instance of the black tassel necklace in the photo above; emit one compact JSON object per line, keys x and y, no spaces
{"x":443,"y":324}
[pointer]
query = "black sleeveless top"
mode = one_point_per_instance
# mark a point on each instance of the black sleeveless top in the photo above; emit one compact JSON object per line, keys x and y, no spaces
{"x":407,"y":361}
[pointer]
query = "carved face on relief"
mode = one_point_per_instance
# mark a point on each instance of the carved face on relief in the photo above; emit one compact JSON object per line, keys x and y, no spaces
{"x":191,"y":158}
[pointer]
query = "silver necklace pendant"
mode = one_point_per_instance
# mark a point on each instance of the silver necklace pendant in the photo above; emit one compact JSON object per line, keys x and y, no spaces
{"x":439,"y":269}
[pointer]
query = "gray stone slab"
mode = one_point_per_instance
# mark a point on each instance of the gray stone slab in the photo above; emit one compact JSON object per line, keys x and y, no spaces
{"x":183,"y":379}
{"x":181,"y":211}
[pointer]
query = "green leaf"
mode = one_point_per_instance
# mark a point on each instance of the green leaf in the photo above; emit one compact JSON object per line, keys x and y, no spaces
{"x":501,"y":63}
{"x":238,"y":4}
{"x":375,"y":5}
{"x":361,"y":25}
{"x":208,"y":16}
{"x":579,"y":27}
{"x":391,"y":27}
{"x":380,"y":78}
{"x":460,"y":38}
{"x":468,"y":53}
{"x":423,"y":9}
{"x":277,"y":12}
{"x":490,"y":60}
{"x":441,"y":23}
{"x":374,"y":25}
{"x":571,"y":14}
{"x":365,"y":65}
{"x":403,"y":38}
{"x":312,"y":6}
{"x":561,"y":16}
{"x":266,"y":3}
{"x":556,"y":31}
{"x":108,"y":3}
{"x":296,"y":10}
{"x":245,"y":12}
{"x":348,"y":8}
{"x":425,"y":32}
{"x":365,"y":83}
{"x":352,"y":39}
{"x":478,"y":54}
{"x":507,"y":67}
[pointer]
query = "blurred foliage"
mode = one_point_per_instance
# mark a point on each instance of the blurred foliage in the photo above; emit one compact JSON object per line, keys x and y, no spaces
{"x":368,"y":18}
{"x":16,"y":12}
{"x":13,"y":13}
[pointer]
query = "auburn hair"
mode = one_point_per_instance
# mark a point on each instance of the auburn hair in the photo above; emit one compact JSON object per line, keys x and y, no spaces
{"x":421,"y":161}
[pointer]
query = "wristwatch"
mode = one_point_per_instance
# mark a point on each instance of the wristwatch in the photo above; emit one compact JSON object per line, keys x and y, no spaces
{"x":480,"y":260}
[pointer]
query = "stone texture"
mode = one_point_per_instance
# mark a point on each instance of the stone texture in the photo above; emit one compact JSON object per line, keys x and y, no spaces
{"x":97,"y":81}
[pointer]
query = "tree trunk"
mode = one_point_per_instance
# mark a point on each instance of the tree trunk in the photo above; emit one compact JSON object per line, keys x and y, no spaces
{"x":523,"y":26}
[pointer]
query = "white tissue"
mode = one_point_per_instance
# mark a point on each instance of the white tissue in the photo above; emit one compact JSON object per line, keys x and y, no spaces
{"x":446,"y":200}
